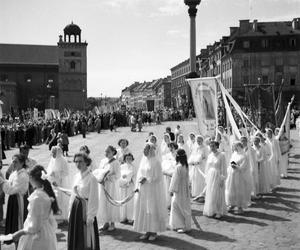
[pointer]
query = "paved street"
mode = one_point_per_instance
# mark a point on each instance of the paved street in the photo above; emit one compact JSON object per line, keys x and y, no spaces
{"x":271,"y":223}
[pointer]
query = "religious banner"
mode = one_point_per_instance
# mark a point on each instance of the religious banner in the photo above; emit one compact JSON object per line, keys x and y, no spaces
{"x":204,"y":95}
{"x":48,"y":114}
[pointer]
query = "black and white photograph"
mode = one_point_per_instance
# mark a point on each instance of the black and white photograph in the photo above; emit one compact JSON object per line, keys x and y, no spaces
{"x":150,"y":124}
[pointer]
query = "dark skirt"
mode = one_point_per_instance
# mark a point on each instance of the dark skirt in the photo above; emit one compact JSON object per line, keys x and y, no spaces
{"x":12,"y":215}
{"x":76,"y":230}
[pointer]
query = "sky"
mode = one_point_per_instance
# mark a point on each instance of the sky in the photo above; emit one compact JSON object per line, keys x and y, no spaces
{"x":132,"y":40}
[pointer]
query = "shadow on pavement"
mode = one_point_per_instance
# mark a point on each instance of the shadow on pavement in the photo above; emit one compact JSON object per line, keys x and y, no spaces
{"x":162,"y":240}
{"x":293,"y":178}
{"x":209,"y":236}
{"x":233,"y":219}
{"x":264,"y":216}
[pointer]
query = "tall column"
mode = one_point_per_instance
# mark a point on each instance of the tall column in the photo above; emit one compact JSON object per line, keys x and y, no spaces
{"x":192,"y":13}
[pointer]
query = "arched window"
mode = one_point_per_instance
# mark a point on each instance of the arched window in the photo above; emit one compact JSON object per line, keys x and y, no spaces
{"x":73,"y":65}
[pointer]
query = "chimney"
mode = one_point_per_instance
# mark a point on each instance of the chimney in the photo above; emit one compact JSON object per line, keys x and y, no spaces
{"x":254,"y":26}
{"x":296,"y":23}
{"x":244,"y":26}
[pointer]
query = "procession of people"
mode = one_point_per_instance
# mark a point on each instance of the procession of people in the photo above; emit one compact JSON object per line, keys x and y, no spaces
{"x":225,"y":173}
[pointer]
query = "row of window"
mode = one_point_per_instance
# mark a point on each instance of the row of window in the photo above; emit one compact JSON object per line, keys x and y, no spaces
{"x":268,"y":61}
{"x":27,"y":78}
{"x":266,"y":43}
{"x":182,"y":71}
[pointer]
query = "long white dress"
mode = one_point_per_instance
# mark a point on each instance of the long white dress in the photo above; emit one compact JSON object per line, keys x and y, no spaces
{"x":253,"y":168}
{"x":107,"y":212}
{"x":284,"y":160}
{"x":267,"y":152}
{"x":273,"y":163}
{"x":197,"y":163}
{"x":168,"y":167}
{"x":58,"y":171}
{"x":181,"y":214}
{"x":150,"y":211}
{"x":238,"y":182}
{"x":40,"y":224}
{"x":127,"y":184}
{"x":215,"y":185}
{"x":263,"y":184}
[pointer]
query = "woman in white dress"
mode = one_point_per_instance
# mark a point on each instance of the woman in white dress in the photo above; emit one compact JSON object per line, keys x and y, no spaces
{"x":127,"y":185}
{"x":238,"y":182}
{"x":83,"y":226}
{"x":190,"y":143}
{"x":168,"y":167}
{"x":58,"y":171}
{"x":164,"y":147}
{"x":274,"y":158}
{"x":153,"y":140}
{"x":197,"y":162}
{"x":85,"y":149}
{"x":181,"y":144}
{"x":284,"y":149}
{"x":108,"y":174}
{"x":39,"y":227}
{"x":17,"y":188}
{"x":150,"y":212}
{"x":215,"y":183}
{"x":181,"y":214}
{"x":263,"y":185}
{"x":122,"y":150}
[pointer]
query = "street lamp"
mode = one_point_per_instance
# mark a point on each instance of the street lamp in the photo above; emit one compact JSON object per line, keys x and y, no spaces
{"x":192,"y":13}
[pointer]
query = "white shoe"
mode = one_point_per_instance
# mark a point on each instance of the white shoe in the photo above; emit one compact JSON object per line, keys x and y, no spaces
{"x":111,"y":228}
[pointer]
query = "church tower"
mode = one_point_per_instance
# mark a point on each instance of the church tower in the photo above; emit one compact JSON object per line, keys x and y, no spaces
{"x":72,"y":69}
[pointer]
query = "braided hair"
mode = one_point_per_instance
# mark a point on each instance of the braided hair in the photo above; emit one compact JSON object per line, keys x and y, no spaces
{"x":36,"y":174}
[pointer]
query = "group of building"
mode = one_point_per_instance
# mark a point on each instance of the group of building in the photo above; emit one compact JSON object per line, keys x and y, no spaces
{"x":253,"y":54}
{"x":44,"y":76}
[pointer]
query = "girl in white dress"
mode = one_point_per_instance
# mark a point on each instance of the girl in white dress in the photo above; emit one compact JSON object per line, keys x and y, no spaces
{"x":197,"y":162}
{"x":83,"y":226}
{"x":284,"y":149}
{"x":168,"y":167}
{"x":215,"y":183}
{"x":127,"y":184}
{"x":17,"y":188}
{"x":181,"y":214}
{"x":85,"y":149}
{"x":108,"y":174}
{"x":58,"y":171}
{"x":150,"y":212}
{"x":181,"y":144}
{"x":263,"y":185}
{"x":39,"y":227}
{"x":164,"y":147}
{"x":238,"y":182}
{"x":274,"y":158}
{"x":122,"y":150}
{"x":190,"y":143}
{"x":153,"y":140}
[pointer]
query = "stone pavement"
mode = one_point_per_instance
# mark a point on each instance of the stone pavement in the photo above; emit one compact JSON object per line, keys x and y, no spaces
{"x":270,"y":223}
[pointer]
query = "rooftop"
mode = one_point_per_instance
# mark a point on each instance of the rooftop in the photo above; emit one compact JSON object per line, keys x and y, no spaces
{"x":28,"y":54}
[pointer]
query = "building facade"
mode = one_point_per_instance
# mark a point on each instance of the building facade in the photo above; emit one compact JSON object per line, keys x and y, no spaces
{"x":46,"y":76}
{"x":149,"y":96}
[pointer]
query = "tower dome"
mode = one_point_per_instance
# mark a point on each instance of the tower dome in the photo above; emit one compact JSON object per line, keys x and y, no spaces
{"x":72,"y":30}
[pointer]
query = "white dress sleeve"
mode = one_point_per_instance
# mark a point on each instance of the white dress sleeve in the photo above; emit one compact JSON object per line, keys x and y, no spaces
{"x":20,"y":185}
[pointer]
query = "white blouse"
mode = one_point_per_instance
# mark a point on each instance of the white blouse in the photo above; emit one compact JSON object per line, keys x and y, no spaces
{"x":87,"y":188}
{"x":18,"y":182}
